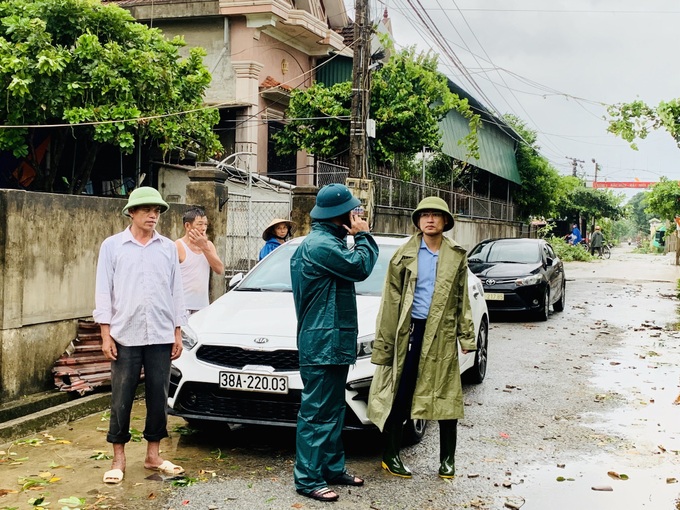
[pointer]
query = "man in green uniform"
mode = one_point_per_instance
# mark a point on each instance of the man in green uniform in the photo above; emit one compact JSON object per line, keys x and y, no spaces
{"x":424,"y":314}
{"x":323,"y":271}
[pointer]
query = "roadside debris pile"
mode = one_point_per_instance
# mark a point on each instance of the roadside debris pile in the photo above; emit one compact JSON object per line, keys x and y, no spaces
{"x":83,"y":366}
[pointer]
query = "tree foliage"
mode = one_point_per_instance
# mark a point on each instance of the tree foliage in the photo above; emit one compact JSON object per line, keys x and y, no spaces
{"x":635,"y":120}
{"x":93,"y":66}
{"x":576,"y":201}
{"x":637,"y":207}
{"x":408,"y":99}
{"x":663,"y":201}
{"x":538,"y":194}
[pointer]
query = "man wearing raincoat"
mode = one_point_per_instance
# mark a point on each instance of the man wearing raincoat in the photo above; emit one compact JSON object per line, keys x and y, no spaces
{"x":323,"y":271}
{"x":424,"y":313}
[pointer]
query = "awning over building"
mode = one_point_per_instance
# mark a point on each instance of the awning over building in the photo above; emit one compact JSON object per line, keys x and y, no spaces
{"x":496,"y":139}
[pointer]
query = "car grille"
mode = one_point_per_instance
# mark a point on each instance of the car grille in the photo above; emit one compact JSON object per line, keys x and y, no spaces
{"x":210,"y":401}
{"x":498,"y":281}
{"x":235,"y":357}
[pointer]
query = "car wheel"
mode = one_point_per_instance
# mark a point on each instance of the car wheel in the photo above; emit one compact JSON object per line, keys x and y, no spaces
{"x":559,"y":304}
{"x":476,"y":374}
{"x":543,"y":313}
{"x":414,"y":431}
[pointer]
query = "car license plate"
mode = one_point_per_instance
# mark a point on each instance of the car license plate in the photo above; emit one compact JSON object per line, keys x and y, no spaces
{"x":261,"y":383}
{"x":493,"y":296}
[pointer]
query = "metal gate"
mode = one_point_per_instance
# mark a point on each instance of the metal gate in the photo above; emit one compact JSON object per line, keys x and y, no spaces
{"x":249,"y":212}
{"x":246,"y":220}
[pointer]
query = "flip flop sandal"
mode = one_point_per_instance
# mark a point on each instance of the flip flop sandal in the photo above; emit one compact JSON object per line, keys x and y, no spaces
{"x":347,"y":479}
{"x":168,"y":468}
{"x":320,"y":494}
{"x":113,"y":476}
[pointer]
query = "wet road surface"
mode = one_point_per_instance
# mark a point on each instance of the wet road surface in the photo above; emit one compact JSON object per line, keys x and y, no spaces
{"x":567,"y":401}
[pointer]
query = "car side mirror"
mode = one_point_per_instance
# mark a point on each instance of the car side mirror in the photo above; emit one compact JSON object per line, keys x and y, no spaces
{"x":549,"y":262}
{"x":235,"y":280}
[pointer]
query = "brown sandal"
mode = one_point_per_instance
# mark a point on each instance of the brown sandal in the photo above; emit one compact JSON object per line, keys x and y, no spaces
{"x":321,"y":494}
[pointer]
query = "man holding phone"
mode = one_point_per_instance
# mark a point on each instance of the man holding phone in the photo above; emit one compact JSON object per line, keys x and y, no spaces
{"x":323,"y":272}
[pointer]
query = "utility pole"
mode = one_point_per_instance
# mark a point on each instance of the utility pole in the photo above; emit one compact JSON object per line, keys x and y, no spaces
{"x":574,"y":162}
{"x":597,"y":167}
{"x":360,"y":91}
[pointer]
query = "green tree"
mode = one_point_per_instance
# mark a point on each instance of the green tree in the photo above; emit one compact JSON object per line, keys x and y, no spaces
{"x":639,"y":217}
{"x":576,"y":201}
{"x":408,"y":99}
{"x":663,"y":201}
{"x":100,"y":77}
{"x":635,"y":120}
{"x":538,"y":193}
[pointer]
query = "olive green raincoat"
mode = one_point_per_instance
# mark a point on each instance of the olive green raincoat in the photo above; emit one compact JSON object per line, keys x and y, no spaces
{"x":438,"y":394}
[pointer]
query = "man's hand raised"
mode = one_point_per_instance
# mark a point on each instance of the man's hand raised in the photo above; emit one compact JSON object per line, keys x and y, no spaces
{"x":358,"y":224}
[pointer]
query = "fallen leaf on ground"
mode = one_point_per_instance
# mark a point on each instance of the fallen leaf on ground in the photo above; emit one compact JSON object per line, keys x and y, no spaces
{"x":660,"y":447}
{"x":603,"y":488}
{"x":677,"y":401}
{"x":671,"y":480}
{"x":617,"y":476}
{"x":297,"y":505}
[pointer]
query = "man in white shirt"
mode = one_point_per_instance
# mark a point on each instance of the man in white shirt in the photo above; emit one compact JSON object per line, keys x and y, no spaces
{"x":197,"y":256}
{"x":140,"y":307}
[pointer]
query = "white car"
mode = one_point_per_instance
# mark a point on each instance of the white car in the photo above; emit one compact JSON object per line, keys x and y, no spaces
{"x":240,"y":359}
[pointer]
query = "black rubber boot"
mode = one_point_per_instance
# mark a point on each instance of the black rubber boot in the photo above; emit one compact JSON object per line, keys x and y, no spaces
{"x":448,"y":432}
{"x":391,"y":462}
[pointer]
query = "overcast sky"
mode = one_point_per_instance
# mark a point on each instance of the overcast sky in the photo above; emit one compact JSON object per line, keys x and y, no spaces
{"x":552,"y":63}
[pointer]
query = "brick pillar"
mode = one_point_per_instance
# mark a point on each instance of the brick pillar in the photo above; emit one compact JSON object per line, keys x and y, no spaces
{"x":207,"y":189}
{"x":304,"y":198}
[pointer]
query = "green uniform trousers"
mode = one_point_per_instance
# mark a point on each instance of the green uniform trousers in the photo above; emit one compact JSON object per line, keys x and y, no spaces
{"x":320,"y":455}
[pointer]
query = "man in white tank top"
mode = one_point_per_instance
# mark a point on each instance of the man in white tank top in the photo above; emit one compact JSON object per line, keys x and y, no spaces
{"x":197,"y":256}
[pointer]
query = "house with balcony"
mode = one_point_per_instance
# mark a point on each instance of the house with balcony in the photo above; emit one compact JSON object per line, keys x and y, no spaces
{"x":258,"y":51}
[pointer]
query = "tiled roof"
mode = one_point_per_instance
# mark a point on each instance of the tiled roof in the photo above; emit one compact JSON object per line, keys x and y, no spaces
{"x":270,"y":83}
{"x":347,"y":34}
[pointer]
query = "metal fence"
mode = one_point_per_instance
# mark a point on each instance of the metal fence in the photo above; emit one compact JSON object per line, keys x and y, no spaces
{"x":400,"y":194}
{"x":246,"y":220}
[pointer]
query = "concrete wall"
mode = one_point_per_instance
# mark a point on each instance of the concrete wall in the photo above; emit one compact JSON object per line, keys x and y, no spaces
{"x":49,"y":245}
{"x":467,"y":232}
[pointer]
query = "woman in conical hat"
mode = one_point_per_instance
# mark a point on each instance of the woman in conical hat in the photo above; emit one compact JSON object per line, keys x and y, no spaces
{"x":276,"y":233}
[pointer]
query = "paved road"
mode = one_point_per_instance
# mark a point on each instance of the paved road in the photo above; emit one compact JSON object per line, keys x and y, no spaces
{"x":588,"y":392}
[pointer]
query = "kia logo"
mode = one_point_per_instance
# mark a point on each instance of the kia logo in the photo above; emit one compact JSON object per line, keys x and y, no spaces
{"x":261,"y":340}
{"x":490,"y":282}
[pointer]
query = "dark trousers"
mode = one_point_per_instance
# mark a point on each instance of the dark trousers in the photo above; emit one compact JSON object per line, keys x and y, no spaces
{"x":320,"y":455}
{"x":401,"y":408}
{"x":125,"y":373}
{"x":598,"y":248}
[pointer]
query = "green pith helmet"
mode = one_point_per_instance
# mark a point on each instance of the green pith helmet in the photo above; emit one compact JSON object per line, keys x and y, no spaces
{"x":145,"y":195}
{"x":333,"y":200}
{"x":433,"y":204}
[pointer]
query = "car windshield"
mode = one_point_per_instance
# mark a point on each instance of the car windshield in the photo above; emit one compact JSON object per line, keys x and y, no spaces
{"x":273,"y":274}
{"x":511,"y":252}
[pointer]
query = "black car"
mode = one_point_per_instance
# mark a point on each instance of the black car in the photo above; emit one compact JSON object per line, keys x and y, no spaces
{"x":519,"y":275}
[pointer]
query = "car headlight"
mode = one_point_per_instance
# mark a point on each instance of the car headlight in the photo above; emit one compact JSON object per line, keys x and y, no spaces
{"x":365,"y":346}
{"x":534,"y":279}
{"x":189,"y":338}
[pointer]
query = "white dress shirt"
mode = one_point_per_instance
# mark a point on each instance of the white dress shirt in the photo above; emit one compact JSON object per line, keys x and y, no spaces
{"x":139,"y":289}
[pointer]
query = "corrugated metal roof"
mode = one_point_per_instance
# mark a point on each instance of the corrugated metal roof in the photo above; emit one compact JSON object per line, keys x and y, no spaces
{"x":496,"y":147}
{"x":497,"y":140}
